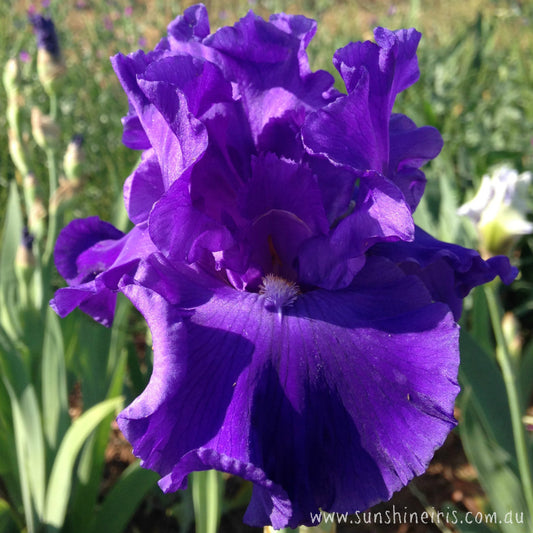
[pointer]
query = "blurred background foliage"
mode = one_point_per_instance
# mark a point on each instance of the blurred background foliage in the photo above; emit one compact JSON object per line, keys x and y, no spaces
{"x":475,"y":87}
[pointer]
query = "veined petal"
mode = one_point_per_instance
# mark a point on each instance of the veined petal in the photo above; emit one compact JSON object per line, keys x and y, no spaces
{"x":334,"y":403}
{"x":303,"y":329}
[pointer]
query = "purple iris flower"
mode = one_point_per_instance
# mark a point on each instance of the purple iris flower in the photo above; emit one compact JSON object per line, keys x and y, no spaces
{"x":46,"y":33}
{"x":305,"y":333}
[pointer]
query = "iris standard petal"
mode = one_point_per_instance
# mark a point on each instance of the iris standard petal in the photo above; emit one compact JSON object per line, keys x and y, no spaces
{"x":268,"y":63}
{"x":283,"y":206}
{"x":176,"y":135}
{"x":192,"y":25}
{"x":134,"y":136}
{"x":181,"y":231}
{"x":391,"y":64}
{"x":351,"y":140}
{"x":410,"y":148}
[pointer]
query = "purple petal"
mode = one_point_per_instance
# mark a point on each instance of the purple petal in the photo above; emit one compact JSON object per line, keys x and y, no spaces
{"x":337,"y":187}
{"x":449,"y":271}
{"x":411,"y":148}
{"x":343,"y":132}
{"x":143,"y":188}
{"x":334,"y":405}
{"x":181,"y":231}
{"x":92,"y":256}
{"x":379,"y":215}
{"x":79,"y":236}
{"x":92,"y":298}
{"x":134,"y":136}
{"x":226,"y":164}
{"x":268,"y":62}
{"x":176,"y":135}
{"x":353,"y":130}
{"x":391,"y":64}
{"x":191,"y":26}
{"x":283,"y":204}
{"x":201,"y":81}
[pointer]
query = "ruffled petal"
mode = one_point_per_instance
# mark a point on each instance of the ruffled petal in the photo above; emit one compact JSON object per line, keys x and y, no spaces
{"x":334,"y":404}
{"x":93,"y":298}
{"x":344,"y":133}
{"x":193,"y":25}
{"x":411,"y":148}
{"x":267,"y":61}
{"x":390,"y":62}
{"x":303,"y":329}
{"x":449,"y":271}
{"x":357,"y":131}
{"x":177,"y":137}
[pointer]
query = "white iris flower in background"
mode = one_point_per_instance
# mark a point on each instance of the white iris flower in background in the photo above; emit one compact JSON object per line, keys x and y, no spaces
{"x":499,"y":209}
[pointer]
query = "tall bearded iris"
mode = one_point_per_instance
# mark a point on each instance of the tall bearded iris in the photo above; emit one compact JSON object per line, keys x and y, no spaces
{"x":304,"y":330}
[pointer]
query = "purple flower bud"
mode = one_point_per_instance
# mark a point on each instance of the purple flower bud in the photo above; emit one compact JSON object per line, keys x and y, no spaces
{"x":50,"y":67}
{"x":27,"y":239}
{"x":24,"y":258}
{"x":46,"y":34}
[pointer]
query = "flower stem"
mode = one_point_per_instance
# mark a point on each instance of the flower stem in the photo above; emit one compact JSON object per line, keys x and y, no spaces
{"x":52,"y":210}
{"x":512,"y":386}
{"x":53,"y":105}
